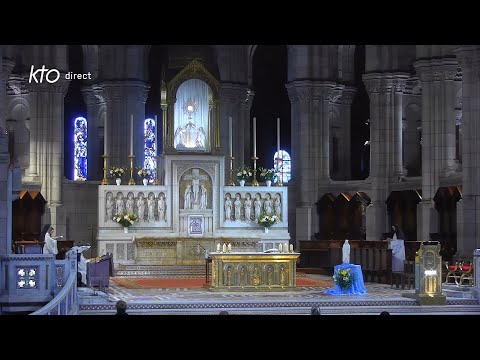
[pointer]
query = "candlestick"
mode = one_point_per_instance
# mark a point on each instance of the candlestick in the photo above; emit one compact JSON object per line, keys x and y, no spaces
{"x":156,"y":181}
{"x":104,"y":180}
{"x":224,"y":248}
{"x":229,"y":247}
{"x":278,"y":136}
{"x":131,"y":181}
{"x":291,"y":247}
{"x":105,"y":136}
{"x":254,"y":180}
{"x":218,"y":247}
{"x":131,"y":134}
{"x":285,"y":247}
{"x":254,"y":137}
{"x":230,"y":137}
{"x":231,"y":182}
{"x":279,"y":247}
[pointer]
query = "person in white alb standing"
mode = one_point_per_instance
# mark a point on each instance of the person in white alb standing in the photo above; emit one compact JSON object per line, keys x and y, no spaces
{"x":397,"y":244}
{"x":50,"y":242}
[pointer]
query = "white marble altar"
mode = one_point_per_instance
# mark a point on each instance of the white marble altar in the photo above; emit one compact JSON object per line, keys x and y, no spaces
{"x":187,"y":210}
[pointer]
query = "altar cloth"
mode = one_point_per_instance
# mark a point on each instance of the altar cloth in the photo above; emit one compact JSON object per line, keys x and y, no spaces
{"x":357,"y":287}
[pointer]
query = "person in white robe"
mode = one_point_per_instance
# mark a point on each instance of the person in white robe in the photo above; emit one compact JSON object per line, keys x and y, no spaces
{"x":397,"y":244}
{"x":50,"y":242}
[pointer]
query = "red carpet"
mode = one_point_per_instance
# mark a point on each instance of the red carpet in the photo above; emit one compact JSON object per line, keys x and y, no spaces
{"x":192,"y":283}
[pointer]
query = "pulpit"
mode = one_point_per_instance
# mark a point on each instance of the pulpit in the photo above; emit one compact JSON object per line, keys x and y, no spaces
{"x":99,"y":271}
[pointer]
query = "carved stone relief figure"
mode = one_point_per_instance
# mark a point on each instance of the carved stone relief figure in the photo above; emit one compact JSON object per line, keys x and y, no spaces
{"x":257,"y":204}
{"x":247,"y":205}
{"x":161,"y":207}
{"x":151,"y":207}
{"x":268,"y":204}
{"x":130,"y":203}
{"x":238,"y":205}
{"x":141,"y":207}
{"x":228,"y":207}
{"x":277,"y":204}
{"x":109,"y":207}
{"x":120,"y":204}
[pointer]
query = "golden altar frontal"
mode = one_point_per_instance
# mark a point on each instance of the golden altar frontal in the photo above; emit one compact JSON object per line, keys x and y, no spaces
{"x":175,"y":250}
{"x":253,"y":271}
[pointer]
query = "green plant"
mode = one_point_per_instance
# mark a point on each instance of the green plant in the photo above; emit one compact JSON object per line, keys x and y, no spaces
{"x":343,"y":278}
{"x":267,"y":174}
{"x":125,"y":220}
{"x":244,"y":172}
{"x":267,"y":220}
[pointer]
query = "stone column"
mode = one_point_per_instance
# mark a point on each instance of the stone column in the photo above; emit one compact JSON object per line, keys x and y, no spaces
{"x":4,"y":158}
{"x":468,"y":225}
{"x":344,"y":158}
{"x":7,"y":66}
{"x":385,"y":92}
{"x":94,"y":102}
{"x":46,"y":145}
{"x":236,"y":101}
{"x":123,"y":99}
{"x":438,"y":135}
{"x":311,"y":102}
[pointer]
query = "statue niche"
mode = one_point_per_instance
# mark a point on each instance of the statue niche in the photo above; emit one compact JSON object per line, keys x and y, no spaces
{"x":196,"y":189}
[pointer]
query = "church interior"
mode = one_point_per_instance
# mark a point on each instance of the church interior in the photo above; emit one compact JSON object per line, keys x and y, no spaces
{"x":240,"y":178}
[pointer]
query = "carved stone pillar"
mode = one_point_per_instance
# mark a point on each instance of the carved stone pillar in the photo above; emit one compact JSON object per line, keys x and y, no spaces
{"x":344,"y":158}
{"x":46,"y":145}
{"x":123,"y":99}
{"x":438,"y":134}
{"x":468,"y":224}
{"x":7,"y":66}
{"x":94,"y":102}
{"x":236,"y":101}
{"x":311,"y":102}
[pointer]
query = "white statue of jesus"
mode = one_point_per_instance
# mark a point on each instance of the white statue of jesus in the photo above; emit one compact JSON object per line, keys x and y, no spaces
{"x":346,"y":252}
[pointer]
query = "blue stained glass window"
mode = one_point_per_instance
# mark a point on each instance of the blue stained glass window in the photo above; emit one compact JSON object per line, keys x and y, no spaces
{"x":150,"y":149}
{"x":284,"y":164}
{"x":80,"y":149}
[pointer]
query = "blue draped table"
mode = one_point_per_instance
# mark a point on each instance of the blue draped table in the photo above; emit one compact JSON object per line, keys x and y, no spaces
{"x":357,"y":287}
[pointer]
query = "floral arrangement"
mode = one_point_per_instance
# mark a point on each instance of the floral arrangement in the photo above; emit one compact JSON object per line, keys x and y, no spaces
{"x":267,"y":220}
{"x":145,"y":173}
{"x":244,"y":172}
{"x":267,"y":174}
{"x":125,"y":220}
{"x":117,"y":172}
{"x":343,"y":278}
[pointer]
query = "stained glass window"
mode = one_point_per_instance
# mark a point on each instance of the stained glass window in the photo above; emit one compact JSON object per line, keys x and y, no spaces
{"x":80,"y":146}
{"x":150,"y":149}
{"x":284,"y":163}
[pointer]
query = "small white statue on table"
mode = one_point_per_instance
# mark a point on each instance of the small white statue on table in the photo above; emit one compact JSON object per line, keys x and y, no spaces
{"x":346,"y":252}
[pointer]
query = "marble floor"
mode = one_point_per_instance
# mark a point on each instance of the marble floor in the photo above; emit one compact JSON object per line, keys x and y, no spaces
{"x":379,"y":297}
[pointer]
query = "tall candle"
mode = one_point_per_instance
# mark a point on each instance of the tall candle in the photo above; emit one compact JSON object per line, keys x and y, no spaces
{"x":291,"y":247}
{"x":218,"y":247}
{"x":278,"y":137}
{"x":156,"y":135}
{"x":105,"y":135}
{"x":254,"y":137}
{"x":230,"y":136}
{"x":131,"y":134}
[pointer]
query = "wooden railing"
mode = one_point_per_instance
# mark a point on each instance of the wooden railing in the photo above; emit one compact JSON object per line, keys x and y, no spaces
{"x":374,"y":256}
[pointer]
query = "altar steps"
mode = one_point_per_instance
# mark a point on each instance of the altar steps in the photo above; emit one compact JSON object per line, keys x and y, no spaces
{"x":160,"y":271}
{"x":459,"y":291}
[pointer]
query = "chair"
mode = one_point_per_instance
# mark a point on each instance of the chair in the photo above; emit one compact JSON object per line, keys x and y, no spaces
{"x":409,"y":274}
{"x":453,"y":272}
{"x":467,"y":273}
{"x":405,"y":277}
